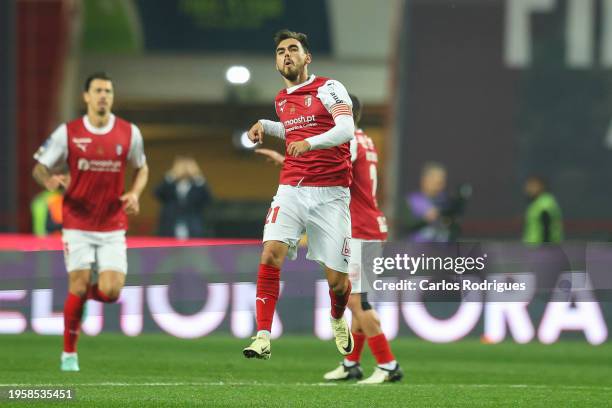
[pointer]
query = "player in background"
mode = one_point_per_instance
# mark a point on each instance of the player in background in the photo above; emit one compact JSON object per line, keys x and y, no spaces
{"x":368,"y":225}
{"x":97,"y":148}
{"x":316,"y":123}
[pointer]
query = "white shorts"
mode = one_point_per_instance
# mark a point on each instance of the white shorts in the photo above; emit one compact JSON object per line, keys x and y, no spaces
{"x":88,"y":249}
{"x":322,"y":213}
{"x":359,"y":281}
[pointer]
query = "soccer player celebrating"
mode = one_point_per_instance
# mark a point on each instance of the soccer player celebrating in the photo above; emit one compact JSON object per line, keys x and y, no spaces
{"x":368,"y":225}
{"x":97,"y":149}
{"x":316,"y":123}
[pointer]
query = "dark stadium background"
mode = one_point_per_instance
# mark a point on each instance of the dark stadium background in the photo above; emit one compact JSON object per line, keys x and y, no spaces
{"x":494,"y":89}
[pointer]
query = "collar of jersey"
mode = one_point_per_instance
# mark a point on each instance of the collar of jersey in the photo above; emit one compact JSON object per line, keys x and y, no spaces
{"x":96,"y":130}
{"x":298,"y":86}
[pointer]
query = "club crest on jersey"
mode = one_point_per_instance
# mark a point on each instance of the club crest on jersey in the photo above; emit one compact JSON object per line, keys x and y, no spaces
{"x":81,"y":142}
{"x":281,"y":105}
{"x":119,"y":149}
{"x":308,"y":101}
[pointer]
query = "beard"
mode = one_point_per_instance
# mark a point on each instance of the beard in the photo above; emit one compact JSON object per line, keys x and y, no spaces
{"x":290,"y":72}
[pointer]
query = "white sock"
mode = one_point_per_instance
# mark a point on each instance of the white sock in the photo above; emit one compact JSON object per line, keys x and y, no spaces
{"x":349,"y":363}
{"x":389,"y":366}
{"x":264,"y":333}
{"x":66,"y":355}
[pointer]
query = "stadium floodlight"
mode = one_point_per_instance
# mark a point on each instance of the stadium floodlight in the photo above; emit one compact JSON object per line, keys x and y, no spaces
{"x":237,"y":75}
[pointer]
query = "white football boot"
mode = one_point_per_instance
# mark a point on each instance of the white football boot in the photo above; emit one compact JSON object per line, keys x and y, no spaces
{"x":381,"y":375}
{"x":343,"y":336}
{"x":259,"y":348}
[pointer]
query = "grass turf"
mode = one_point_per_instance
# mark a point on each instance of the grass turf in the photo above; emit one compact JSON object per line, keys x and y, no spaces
{"x":159,"y":370}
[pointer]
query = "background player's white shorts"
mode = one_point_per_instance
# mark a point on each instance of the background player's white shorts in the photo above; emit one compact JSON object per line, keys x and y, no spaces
{"x":359,"y":280}
{"x":322,"y":212}
{"x":86,"y":249}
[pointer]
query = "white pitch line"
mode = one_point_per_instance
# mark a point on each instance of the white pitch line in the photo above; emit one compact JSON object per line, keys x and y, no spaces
{"x":301,"y":384}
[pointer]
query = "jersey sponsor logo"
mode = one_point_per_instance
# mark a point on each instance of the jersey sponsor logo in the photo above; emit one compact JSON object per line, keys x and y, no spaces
{"x":299,"y":120}
{"x":83,"y":164}
{"x":308,"y":101}
{"x":109,"y":166}
{"x":81,"y":142}
{"x":299,"y":123}
{"x":281,"y":105}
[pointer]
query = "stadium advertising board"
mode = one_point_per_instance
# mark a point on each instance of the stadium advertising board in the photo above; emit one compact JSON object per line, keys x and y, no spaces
{"x":523,"y":294}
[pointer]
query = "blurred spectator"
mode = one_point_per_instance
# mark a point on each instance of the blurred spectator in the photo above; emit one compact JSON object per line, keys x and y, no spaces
{"x":425,"y":221}
{"x":47,"y":213}
{"x":543,"y":218}
{"x":433,"y":215}
{"x":183,"y":194}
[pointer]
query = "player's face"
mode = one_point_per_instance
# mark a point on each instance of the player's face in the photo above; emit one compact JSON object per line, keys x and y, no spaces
{"x":291,"y":58}
{"x":99,"y":96}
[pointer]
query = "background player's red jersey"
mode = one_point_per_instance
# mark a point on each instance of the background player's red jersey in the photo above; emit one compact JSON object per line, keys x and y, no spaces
{"x":97,"y":170}
{"x":367,"y":221}
{"x":307,"y":110}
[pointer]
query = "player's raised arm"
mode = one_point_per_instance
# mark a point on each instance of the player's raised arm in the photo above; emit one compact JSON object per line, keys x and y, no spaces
{"x":266,"y":127}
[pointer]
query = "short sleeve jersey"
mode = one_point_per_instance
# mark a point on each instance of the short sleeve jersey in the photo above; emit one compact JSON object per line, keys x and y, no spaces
{"x":96,"y":159}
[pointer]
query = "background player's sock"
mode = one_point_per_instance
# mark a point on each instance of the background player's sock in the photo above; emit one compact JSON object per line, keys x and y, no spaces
{"x":73,"y":310}
{"x":268,"y":287}
{"x":338,"y":302}
{"x":381,"y":351}
{"x":355,"y":356}
{"x":96,"y":294}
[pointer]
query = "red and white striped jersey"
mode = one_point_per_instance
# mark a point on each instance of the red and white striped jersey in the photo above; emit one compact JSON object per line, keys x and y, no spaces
{"x":368,"y":222}
{"x":306,"y":110}
{"x":96,"y":159}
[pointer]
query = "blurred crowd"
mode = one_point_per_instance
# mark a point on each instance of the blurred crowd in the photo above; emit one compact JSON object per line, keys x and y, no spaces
{"x":433,"y":213}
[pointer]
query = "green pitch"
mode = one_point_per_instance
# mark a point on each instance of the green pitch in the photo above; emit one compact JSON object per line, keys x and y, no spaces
{"x":158,"y":370}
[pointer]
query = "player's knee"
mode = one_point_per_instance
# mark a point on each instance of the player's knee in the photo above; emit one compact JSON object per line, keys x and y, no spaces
{"x":78,"y":289}
{"x":272,"y":257}
{"x":78,"y":286}
{"x":110,"y":290}
{"x":339,"y":285}
{"x":112,"y":294}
